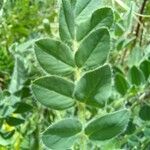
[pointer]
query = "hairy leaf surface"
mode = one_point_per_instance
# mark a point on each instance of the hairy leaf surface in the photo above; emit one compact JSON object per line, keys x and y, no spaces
{"x":62,"y":134}
{"x":94,"y":50}
{"x":108,"y":126}
{"x":54,"y":56}
{"x":53,"y":92}
{"x":94,"y":88}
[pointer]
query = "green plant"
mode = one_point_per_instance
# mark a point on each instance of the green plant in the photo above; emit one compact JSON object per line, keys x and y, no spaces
{"x":79,"y":78}
{"x":76,"y":117}
{"x":17,"y":33}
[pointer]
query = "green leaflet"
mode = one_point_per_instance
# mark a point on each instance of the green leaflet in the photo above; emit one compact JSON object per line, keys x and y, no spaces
{"x":108,"y":126}
{"x":144,"y":112}
{"x":136,"y":76}
{"x":121,"y":84}
{"x":145,"y":67}
{"x":100,"y":18}
{"x":93,"y":50}
{"x":12,"y":121}
{"x":66,"y":22}
{"x":21,"y":107}
{"x":54,"y":56}
{"x":62,"y":135}
{"x":84,"y":8}
{"x":94,"y":88}
{"x":130,"y":128}
{"x":53,"y":92}
{"x":135,"y":57}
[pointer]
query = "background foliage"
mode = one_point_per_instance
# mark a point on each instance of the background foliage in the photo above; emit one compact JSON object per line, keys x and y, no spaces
{"x":23,"y":119}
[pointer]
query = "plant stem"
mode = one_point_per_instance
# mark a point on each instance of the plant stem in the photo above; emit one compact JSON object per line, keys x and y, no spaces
{"x":80,"y":106}
{"x":81,"y":112}
{"x":81,"y":115}
{"x":137,"y":30}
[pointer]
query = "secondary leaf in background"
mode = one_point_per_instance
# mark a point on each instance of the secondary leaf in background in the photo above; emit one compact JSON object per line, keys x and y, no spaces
{"x":6,"y":105}
{"x":94,"y":88}
{"x":5,"y":142}
{"x":130,"y":17}
{"x":7,"y":134}
{"x":54,"y":56}
{"x":62,"y":134}
{"x":21,"y":107}
{"x":100,"y":18}
{"x":66,"y":22}
{"x":73,"y":3}
{"x":94,"y":50}
{"x":124,"y":43}
{"x":108,"y":126}
{"x":19,"y":76}
{"x":144,"y":112}
{"x":54,"y":92}
{"x":131,"y":127}
{"x":1,"y":4}
{"x":135,"y":57}
{"x":84,"y":8}
{"x":145,"y":67}
{"x":13,"y":121}
{"x":136,"y":76}
{"x":117,"y":70}
{"x":121,"y":84}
